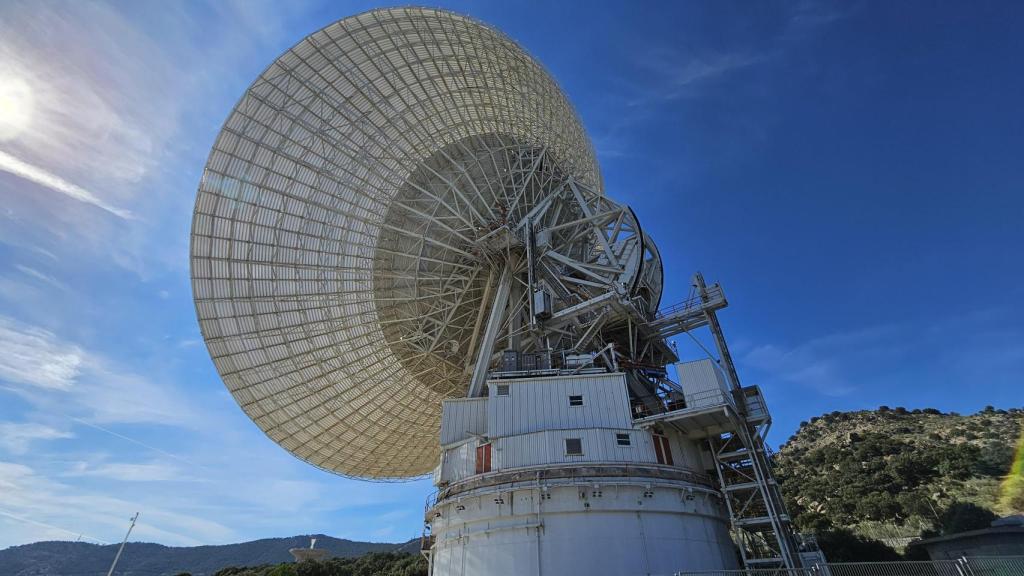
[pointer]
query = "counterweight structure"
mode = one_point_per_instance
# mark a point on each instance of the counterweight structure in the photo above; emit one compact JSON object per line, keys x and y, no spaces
{"x":403,"y":261}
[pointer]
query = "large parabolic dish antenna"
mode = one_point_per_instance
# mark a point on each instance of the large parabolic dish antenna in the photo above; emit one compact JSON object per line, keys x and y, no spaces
{"x":375,"y":221}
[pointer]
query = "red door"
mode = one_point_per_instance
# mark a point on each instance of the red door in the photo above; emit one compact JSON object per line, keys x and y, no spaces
{"x":662,"y":449}
{"x":483,"y":458}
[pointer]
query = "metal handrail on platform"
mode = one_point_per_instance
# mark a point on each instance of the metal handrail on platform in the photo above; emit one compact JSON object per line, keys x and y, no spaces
{"x":693,"y":401}
{"x":694,"y":302}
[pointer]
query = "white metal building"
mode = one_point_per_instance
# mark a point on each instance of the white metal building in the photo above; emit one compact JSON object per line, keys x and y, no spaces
{"x":549,"y":475}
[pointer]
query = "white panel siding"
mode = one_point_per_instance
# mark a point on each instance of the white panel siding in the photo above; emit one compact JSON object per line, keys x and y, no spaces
{"x":458,"y":462}
{"x":543,"y":404}
{"x":685,"y":452}
{"x":548,"y":447}
{"x":703,"y":383}
{"x":529,"y":426}
{"x":462,"y":416}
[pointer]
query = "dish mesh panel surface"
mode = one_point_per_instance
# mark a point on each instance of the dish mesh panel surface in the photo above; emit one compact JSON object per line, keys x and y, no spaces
{"x":291,"y":211}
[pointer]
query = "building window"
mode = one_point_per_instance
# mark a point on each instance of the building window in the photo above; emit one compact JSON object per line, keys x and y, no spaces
{"x":662,"y":449}
{"x":502,"y":390}
{"x":573,"y":447}
{"x":623,"y":440}
{"x":483,"y":458}
{"x":576,"y":400}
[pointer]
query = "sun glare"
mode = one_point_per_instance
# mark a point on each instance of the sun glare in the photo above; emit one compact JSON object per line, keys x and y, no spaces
{"x":15,"y":106}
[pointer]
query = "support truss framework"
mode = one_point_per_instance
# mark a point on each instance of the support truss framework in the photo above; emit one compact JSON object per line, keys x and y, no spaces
{"x":355,"y":217}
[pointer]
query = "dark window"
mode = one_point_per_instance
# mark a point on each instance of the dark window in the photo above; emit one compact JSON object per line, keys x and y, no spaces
{"x":573,"y":447}
{"x":575,"y":400}
{"x":502,"y":389}
{"x":623,"y":440}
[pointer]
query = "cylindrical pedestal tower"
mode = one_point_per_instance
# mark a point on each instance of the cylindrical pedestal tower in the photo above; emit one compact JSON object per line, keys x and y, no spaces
{"x":549,"y":476}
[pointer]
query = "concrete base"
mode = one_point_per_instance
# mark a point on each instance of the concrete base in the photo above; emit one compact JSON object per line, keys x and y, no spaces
{"x":584,"y":526}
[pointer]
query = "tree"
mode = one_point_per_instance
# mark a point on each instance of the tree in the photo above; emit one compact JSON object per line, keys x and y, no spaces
{"x":965,"y":516}
{"x":282,"y":570}
{"x":842,"y":545}
{"x":916,"y":552}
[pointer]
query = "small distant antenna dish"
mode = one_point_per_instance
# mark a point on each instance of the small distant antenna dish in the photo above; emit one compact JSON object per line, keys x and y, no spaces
{"x":311,"y":553}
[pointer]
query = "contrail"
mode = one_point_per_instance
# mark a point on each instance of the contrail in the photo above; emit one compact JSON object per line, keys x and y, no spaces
{"x":134,"y":441}
{"x":35,"y":174}
{"x":51,"y":526}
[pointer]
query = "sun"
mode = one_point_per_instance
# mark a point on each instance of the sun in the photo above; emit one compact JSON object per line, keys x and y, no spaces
{"x":15,"y":106}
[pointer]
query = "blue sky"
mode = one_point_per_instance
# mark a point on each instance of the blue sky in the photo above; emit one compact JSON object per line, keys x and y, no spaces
{"x":851,"y":172}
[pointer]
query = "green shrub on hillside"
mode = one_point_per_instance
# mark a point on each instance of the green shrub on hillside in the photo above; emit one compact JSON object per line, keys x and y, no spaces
{"x":371,"y":564}
{"x":842,"y":545}
{"x":894,"y":469}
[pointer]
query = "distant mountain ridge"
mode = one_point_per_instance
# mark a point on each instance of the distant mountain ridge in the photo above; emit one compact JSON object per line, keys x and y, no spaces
{"x":145,"y":559}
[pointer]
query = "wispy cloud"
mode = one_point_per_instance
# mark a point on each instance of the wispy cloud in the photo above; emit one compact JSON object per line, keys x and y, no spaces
{"x":830,"y":365}
{"x":17,"y":437}
{"x":678,"y":75}
{"x":51,"y":532}
{"x":885,"y":360}
{"x":41,"y":276}
{"x":111,"y":93}
{"x":35,"y":357}
{"x":40,"y":176}
{"x":25,"y":493}
{"x":137,"y":442}
{"x":64,"y":378}
{"x":130,"y":472}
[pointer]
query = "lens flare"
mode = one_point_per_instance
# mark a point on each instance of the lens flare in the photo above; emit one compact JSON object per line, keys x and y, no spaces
{"x":1011,"y":498}
{"x":16,"y":104}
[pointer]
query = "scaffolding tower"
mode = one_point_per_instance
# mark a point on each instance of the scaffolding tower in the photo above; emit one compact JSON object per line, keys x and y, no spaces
{"x":734,"y":425}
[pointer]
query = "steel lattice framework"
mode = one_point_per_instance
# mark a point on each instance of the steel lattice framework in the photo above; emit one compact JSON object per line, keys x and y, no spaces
{"x":374,"y":220}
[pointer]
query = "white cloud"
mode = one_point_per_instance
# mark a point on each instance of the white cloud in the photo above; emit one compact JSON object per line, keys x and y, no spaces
{"x":681,"y":75}
{"x":888,"y":360}
{"x":65,"y":379}
{"x":112,"y":94}
{"x":27,"y":494}
{"x":35,"y":357}
{"x":17,"y":438}
{"x":42,"y":277}
{"x":110,"y":396}
{"x":131,"y":472}
{"x":828,"y":365}
{"x":82,"y":79}
{"x":40,"y":176}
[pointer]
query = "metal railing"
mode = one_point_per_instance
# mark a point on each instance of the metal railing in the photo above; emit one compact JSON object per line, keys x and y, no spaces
{"x":995,"y":565}
{"x":974,"y":566}
{"x":693,"y":302}
{"x":692,"y":401}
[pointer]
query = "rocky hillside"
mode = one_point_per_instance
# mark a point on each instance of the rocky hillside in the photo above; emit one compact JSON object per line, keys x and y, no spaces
{"x":142,"y":559}
{"x":891,"y":473}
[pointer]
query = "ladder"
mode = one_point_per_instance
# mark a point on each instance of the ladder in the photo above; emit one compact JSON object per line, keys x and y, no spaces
{"x":760,"y":525}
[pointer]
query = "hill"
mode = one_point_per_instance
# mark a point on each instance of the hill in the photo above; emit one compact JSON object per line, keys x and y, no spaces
{"x":143,"y":559}
{"x":891,"y":473}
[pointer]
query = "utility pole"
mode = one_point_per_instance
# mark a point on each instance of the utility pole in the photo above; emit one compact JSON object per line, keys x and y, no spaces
{"x":121,"y":549}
